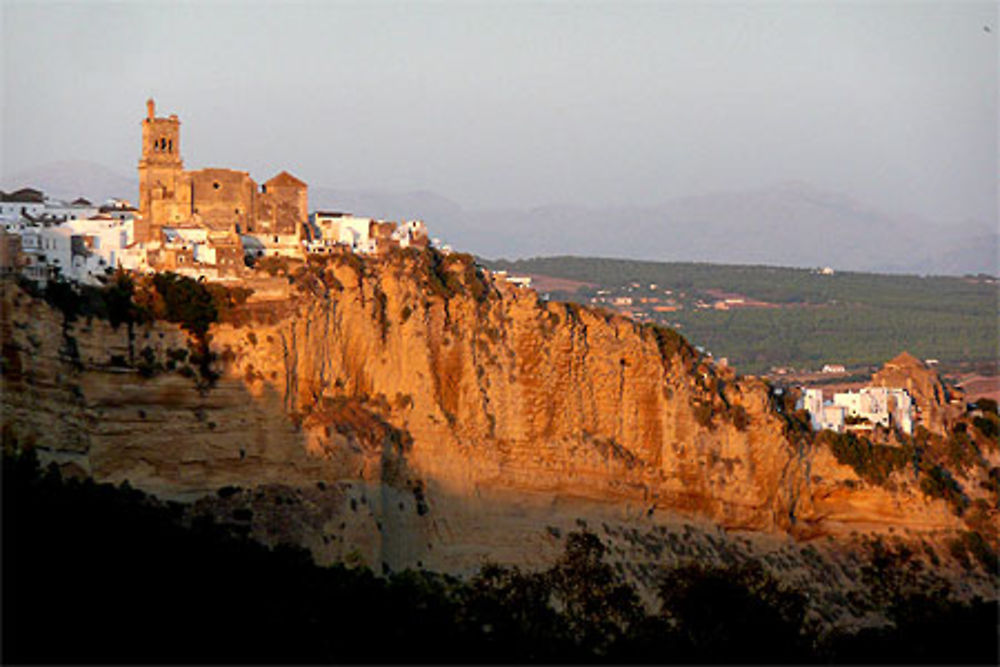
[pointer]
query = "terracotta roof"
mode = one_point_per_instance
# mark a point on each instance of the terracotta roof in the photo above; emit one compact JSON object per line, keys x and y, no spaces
{"x":905,"y":359}
{"x":284,"y":179}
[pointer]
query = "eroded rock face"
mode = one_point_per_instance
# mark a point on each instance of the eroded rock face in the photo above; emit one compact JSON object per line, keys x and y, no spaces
{"x":446,"y":423}
{"x":929,"y":394}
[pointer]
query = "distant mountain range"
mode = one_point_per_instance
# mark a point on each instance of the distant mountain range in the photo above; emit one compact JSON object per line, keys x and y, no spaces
{"x":790,"y":224}
{"x":75,"y":178}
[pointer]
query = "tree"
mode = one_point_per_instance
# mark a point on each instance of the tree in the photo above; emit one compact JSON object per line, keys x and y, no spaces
{"x":733,"y":614}
{"x":600,"y":608}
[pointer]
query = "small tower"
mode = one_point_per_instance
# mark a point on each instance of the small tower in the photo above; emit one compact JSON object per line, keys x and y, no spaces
{"x":160,"y":173}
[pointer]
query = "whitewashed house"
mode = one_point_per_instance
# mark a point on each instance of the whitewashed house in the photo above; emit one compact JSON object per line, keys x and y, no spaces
{"x":48,"y":250}
{"x":410,"y":232}
{"x":59,"y":211}
{"x":24,"y":202}
{"x":879,"y":405}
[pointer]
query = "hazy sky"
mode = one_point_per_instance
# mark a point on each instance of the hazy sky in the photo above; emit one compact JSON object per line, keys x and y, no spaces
{"x":493,"y":103}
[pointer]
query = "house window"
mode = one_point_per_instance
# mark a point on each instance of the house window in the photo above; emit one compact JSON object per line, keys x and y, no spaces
{"x":216,"y":185}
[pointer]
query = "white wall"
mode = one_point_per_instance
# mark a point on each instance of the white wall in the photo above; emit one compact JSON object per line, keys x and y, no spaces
{"x":68,"y":211}
{"x":12,"y":210}
{"x":108,"y":234}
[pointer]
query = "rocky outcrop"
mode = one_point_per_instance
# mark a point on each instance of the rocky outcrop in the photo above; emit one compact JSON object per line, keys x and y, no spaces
{"x":416,"y":413}
{"x":931,"y":396}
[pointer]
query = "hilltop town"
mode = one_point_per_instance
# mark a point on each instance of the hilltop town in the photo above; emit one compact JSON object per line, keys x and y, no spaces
{"x":210,"y":223}
{"x":218,"y":224}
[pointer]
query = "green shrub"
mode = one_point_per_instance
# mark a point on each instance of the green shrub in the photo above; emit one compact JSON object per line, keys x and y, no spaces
{"x":958,"y":550}
{"x":703,"y":414}
{"x":381,"y":312}
{"x":872,"y":463}
{"x":960,"y":450}
{"x":187,"y":302}
{"x":939,"y":483}
{"x":740,"y":418}
{"x":475,"y":282}
{"x":988,"y":406}
{"x":671,"y":343}
{"x":989,"y":426}
{"x":981,"y":550}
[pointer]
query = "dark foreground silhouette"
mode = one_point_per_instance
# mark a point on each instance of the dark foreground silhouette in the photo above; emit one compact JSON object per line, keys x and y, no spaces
{"x":99,"y":574}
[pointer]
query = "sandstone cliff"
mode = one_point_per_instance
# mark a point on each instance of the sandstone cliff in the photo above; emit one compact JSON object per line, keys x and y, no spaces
{"x":930,"y":394}
{"x":409,"y":411}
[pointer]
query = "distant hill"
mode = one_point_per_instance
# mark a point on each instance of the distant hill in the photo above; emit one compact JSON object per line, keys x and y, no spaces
{"x":75,"y":178}
{"x":789,"y":224}
{"x":441,"y":213}
{"x":804,"y":319}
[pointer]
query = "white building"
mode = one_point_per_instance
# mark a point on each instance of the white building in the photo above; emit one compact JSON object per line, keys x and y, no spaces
{"x":48,"y":250}
{"x":408,"y":232}
{"x":871,"y":403}
{"x":902,"y":409}
{"x":812,"y":401}
{"x":884,"y":406}
{"x":274,"y":245}
{"x":119,"y":209}
{"x":84,"y":249}
{"x":344,"y":229}
{"x":109,"y":234}
{"x":875,"y":405}
{"x":356,"y":233}
{"x":59,"y":211}
{"x":25,"y":201}
{"x":362,"y":235}
{"x":104,"y":243}
{"x":32,"y":205}
{"x":823,"y":415}
{"x":833,"y":418}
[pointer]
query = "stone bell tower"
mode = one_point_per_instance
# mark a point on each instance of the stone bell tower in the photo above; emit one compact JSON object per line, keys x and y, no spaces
{"x":163,"y":199}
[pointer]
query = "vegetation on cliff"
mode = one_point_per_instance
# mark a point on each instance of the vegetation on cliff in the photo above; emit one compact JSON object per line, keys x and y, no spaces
{"x":126,"y":299}
{"x":98,"y":573}
{"x":873,"y":463}
{"x":953,"y":466}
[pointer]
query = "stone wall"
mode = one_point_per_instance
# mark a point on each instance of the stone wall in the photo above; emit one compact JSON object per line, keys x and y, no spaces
{"x":223,"y":199}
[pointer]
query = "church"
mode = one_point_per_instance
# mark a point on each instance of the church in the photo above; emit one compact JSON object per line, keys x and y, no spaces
{"x":223,"y":202}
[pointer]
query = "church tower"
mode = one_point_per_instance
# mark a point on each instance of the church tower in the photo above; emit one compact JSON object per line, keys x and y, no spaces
{"x":163,"y":199}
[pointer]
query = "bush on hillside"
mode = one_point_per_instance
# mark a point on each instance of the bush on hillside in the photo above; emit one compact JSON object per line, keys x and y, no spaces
{"x":872,"y":463}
